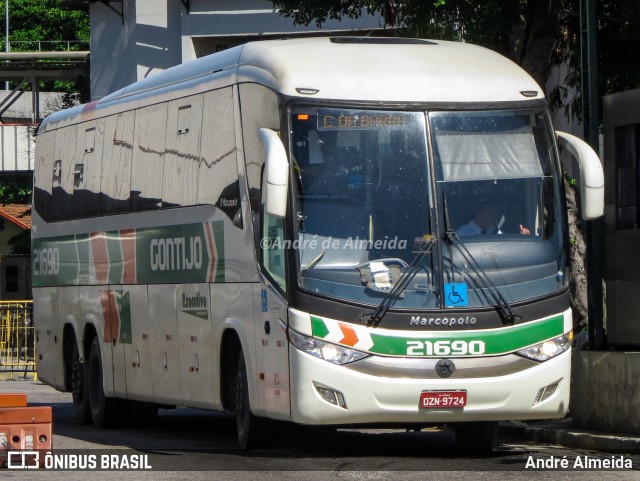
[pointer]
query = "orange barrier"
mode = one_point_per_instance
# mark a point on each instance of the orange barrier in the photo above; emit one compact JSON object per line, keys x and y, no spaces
{"x":23,"y":428}
{"x":13,"y":400}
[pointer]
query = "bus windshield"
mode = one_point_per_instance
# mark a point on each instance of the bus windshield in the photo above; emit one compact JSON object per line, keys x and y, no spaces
{"x":365,"y":206}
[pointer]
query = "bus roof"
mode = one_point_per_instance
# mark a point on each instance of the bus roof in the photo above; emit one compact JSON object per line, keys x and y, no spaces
{"x":360,"y":69}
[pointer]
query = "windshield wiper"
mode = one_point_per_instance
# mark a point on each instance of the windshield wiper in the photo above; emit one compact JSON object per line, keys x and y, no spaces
{"x":501,"y":304}
{"x":424,"y":247}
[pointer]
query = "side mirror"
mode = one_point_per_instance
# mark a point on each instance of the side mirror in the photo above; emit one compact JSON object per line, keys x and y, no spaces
{"x":276,"y":173}
{"x":591,"y":175}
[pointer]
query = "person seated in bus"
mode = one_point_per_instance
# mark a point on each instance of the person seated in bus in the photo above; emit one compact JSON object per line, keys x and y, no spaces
{"x":485,"y":222}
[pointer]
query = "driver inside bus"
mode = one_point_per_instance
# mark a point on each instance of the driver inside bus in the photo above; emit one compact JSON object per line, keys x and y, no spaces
{"x":485,"y":222}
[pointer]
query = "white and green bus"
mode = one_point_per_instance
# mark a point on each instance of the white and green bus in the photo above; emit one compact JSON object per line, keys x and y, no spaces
{"x":284,"y":230}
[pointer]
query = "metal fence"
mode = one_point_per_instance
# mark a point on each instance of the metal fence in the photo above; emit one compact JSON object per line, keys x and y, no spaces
{"x":17,"y":340}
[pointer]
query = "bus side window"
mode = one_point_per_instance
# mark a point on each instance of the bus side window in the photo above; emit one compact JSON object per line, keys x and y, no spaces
{"x":273,"y":249}
{"x":218,"y":180}
{"x":260,"y":108}
{"x":43,"y":175}
{"x":182,"y":151}
{"x":147,"y":168}
{"x":116,"y":170}
{"x":62,"y":179}
{"x":87,"y":170}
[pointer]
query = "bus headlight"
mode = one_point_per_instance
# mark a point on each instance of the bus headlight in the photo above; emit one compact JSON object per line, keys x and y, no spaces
{"x":325,"y":350}
{"x":547,"y":349}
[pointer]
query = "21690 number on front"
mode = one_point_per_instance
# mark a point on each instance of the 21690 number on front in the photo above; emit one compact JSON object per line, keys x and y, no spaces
{"x":445,"y":347}
{"x":443,"y":399}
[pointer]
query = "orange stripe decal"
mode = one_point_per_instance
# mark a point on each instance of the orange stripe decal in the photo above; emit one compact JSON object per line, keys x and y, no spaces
{"x":100,"y":257}
{"x":350,"y":337}
{"x":128,"y":242}
{"x":212,"y":252}
{"x":111,"y":318}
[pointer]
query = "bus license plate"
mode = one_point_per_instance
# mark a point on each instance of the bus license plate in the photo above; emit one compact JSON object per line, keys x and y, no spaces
{"x":443,"y":399}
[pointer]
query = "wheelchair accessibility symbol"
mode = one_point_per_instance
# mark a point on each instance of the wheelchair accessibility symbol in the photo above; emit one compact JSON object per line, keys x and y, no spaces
{"x":455,"y":295}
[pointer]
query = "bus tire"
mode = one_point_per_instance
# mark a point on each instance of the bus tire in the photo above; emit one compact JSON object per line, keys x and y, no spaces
{"x":477,"y":436}
{"x":79,"y":387}
{"x":249,"y":427}
{"x":103,"y":409}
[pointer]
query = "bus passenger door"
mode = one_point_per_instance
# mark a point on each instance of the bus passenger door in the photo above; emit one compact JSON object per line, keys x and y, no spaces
{"x":272,"y":355}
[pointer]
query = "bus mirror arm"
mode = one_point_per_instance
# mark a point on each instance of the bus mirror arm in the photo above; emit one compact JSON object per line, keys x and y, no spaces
{"x":276,"y":173}
{"x":591,"y":175}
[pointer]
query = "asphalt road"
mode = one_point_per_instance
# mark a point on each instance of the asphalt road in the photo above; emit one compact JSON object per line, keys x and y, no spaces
{"x":195,"y":444}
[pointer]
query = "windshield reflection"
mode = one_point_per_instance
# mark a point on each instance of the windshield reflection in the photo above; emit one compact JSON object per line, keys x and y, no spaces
{"x":362,"y":197}
{"x":362,"y":201}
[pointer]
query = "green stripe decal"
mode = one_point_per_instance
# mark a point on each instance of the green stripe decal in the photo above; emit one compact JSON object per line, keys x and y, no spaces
{"x":124,"y":310}
{"x":485,"y":342}
{"x":318,"y":327}
{"x":83,"y":246}
{"x":496,"y":341}
{"x":116,"y":262}
{"x":185,"y":253}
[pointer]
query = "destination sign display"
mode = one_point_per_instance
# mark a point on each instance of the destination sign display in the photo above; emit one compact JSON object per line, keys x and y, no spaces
{"x":335,"y":120}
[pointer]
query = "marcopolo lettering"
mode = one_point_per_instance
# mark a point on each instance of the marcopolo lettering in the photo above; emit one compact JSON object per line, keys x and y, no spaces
{"x":176,"y":253}
{"x":442,"y":321}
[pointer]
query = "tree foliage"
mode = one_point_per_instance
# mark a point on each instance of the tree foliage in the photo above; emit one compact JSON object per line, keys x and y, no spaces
{"x":44,"y":25}
{"x":31,"y":21}
{"x":15,"y":188}
{"x":536,"y":34}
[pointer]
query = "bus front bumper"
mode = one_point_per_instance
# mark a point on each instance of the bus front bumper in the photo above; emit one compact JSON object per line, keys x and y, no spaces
{"x":539,"y":392}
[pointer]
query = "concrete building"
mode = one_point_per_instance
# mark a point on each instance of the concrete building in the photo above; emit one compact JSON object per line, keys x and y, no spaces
{"x":132,"y":39}
{"x":608,"y":379}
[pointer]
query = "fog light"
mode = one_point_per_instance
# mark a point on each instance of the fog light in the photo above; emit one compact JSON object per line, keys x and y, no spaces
{"x":546,"y":392}
{"x":331,"y":396}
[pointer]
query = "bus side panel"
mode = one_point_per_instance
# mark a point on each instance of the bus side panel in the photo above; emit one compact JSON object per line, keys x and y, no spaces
{"x":197,"y":350}
{"x":272,"y":353}
{"x":48,"y":330}
{"x":165,"y":367}
{"x":137,"y":340}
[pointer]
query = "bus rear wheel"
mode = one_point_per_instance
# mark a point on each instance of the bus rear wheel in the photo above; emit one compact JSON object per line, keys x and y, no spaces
{"x":79,"y":388}
{"x":103,"y":409}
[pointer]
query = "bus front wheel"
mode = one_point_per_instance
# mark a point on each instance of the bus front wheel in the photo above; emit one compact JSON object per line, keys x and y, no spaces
{"x":249,"y":427}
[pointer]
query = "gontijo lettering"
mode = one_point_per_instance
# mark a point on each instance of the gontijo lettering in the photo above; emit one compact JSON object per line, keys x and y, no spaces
{"x":176,"y":253}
